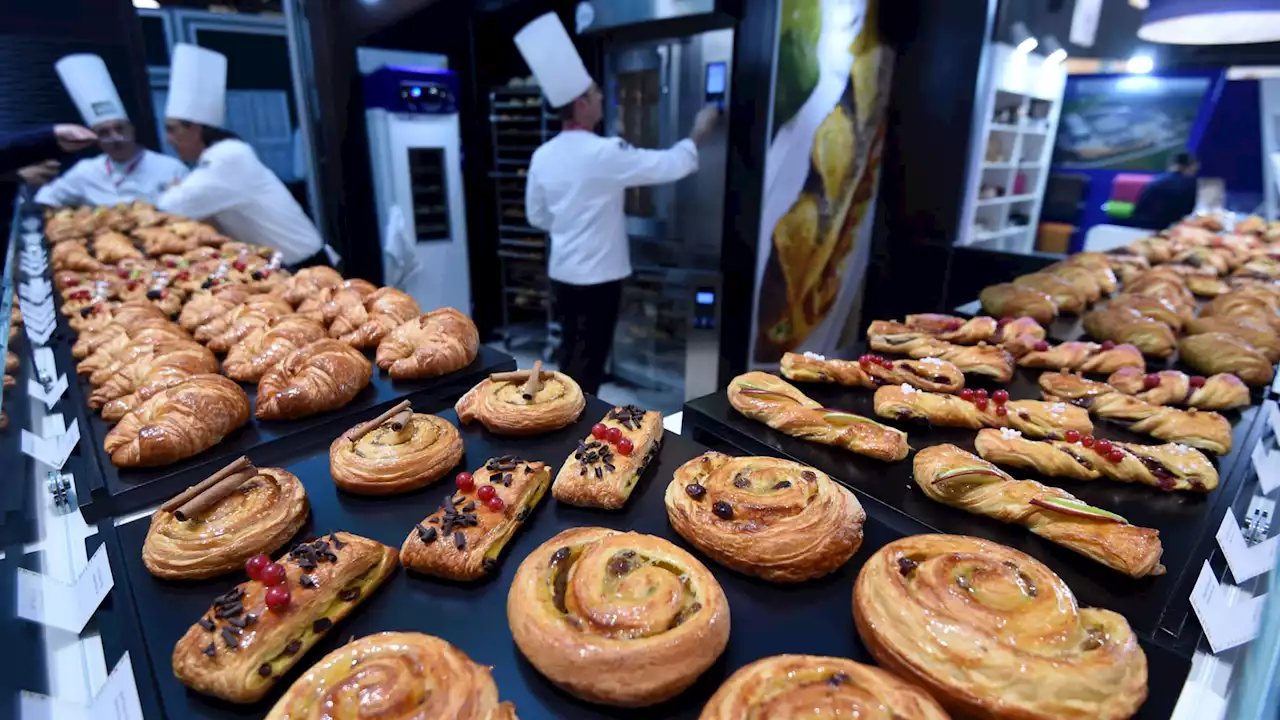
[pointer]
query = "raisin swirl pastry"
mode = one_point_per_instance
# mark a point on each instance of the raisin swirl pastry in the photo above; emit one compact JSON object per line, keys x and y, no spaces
{"x":258,"y":517}
{"x":178,"y":422}
{"x":1009,"y":300}
{"x":1016,"y":643}
{"x":394,"y":674}
{"x":1085,"y":356}
{"x":1169,"y":467}
{"x":1126,"y":325}
{"x":1224,"y":353}
{"x":391,"y":459}
{"x":1033,"y":417}
{"x":617,"y":618}
{"x":1223,"y":391}
{"x":502,"y":408}
{"x":871,"y":372}
{"x":239,"y":647}
{"x":603,"y":470}
{"x":315,"y":378}
{"x":763,"y":516}
{"x":774,"y":402}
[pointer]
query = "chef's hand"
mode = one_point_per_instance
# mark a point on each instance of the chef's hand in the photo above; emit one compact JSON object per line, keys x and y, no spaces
{"x":74,"y":137}
{"x":706,"y":120}
{"x":40,"y":173}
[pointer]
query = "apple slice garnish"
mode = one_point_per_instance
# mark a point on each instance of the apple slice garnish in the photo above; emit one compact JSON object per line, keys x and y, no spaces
{"x":832,"y":415}
{"x":969,"y":470}
{"x":750,"y":389}
{"x":1077,"y":509}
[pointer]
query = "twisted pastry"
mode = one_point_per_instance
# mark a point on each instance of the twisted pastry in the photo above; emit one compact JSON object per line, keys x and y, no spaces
{"x":987,"y":360}
{"x":775,"y":519}
{"x":1167,"y":284}
{"x":178,"y":422}
{"x":1101,"y":265}
{"x":265,"y":346}
{"x":1214,"y":353}
{"x":438,"y":343}
{"x":364,"y":325}
{"x":796,"y":686}
{"x":991,"y":632}
{"x":1223,"y":391}
{"x":394,"y":675}
{"x":1244,"y":304}
{"x":617,"y":618}
{"x":1066,"y":296}
{"x":132,"y":384}
{"x":1153,"y":307}
{"x":1085,"y":357}
{"x":1009,"y":300}
{"x":872,"y":372}
{"x":603,"y":470}
{"x":1169,"y":467}
{"x":258,"y":517}
{"x":1021,"y":328}
{"x":502,"y":408}
{"x":315,"y":378}
{"x":308,"y":282}
{"x":391,"y":459}
{"x":1125,"y":325}
{"x":772,"y":401}
{"x":961,"y":331}
{"x":1086,"y":281}
{"x":1249,"y":329}
{"x":1035,"y":418}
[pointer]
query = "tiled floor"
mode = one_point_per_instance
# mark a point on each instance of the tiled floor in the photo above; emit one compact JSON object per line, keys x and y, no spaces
{"x":610,"y":392}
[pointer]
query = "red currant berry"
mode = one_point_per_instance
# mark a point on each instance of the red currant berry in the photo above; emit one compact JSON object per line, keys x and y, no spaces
{"x":1102,"y":447}
{"x":1000,"y":396}
{"x":980,"y":393}
{"x":239,"y":265}
{"x":1004,"y":321}
{"x":184,"y":275}
{"x":1001,"y":410}
{"x":625,"y":446}
{"x":1072,"y":436}
{"x":1116,"y":455}
{"x":79,"y":295}
{"x":1150,"y":380}
{"x":1041,"y":346}
{"x":954,"y":324}
{"x":171,"y":263}
{"x":255,"y":564}
{"x":966,"y":394}
{"x":1108,"y":345}
{"x":614,"y":434}
{"x":599,"y":431}
{"x":465,"y":481}
{"x":1197,"y":381}
{"x":486,"y":493}
{"x":272,"y":574}
{"x":864,"y":362}
{"x":981,"y":403}
{"x":278,"y":598}
{"x":123,"y":272}
{"x":495,"y":504}
{"x":1087,"y":441}
{"x":887,"y":363}
{"x":132,"y":285}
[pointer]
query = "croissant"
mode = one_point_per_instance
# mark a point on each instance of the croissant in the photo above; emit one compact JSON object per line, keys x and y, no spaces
{"x":962,"y":480}
{"x":332,"y":302}
{"x":315,"y":378}
{"x":202,"y":233}
{"x":438,"y":343}
{"x":266,"y":345}
{"x":223,"y":331}
{"x":161,"y":241}
{"x":113,"y":322}
{"x":950,"y":328}
{"x":112,"y":247}
{"x":1085,"y":357}
{"x":1067,"y":297}
{"x":202,"y":307}
{"x":1154,"y":308}
{"x":1214,"y":353}
{"x":1169,"y":467}
{"x":987,"y":360}
{"x":1166,"y":284}
{"x":872,"y":371}
{"x":134,"y":383}
{"x":364,"y":325}
{"x":1202,"y":285}
{"x":122,"y":347}
{"x":178,"y":422}
{"x":1124,"y":325}
{"x":307,"y":282}
{"x":1033,"y":417}
{"x":1223,"y":391}
{"x":73,"y":256}
{"x":1009,"y":300}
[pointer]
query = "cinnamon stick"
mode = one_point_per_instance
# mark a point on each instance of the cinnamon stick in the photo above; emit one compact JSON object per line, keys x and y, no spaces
{"x":402,"y":418}
{"x":187,"y":495}
{"x":363,"y":429}
{"x":535,"y":379}
{"x":519,"y":376}
{"x":215,"y":494}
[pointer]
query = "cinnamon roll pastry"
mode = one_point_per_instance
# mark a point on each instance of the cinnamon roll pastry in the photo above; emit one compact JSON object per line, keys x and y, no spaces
{"x":112,"y":247}
{"x":1154,"y":308}
{"x":418,"y":674}
{"x":240,"y":646}
{"x":438,"y":343}
{"x":464,"y":538}
{"x":133,"y":384}
{"x":1204,"y":430}
{"x":1223,"y":391}
{"x":403,"y":453}
{"x":1249,"y":329}
{"x":774,"y":402}
{"x":308,"y":282}
{"x":1017,"y":645}
{"x":1128,"y":326}
{"x":1009,"y":300}
{"x":364,"y":325}
{"x":1215,"y":353}
{"x":315,"y":378}
{"x":503,"y":408}
{"x":784,"y":687}
{"x":775,"y":519}
{"x":1084,"y":279}
{"x":961,"y":331}
{"x":986,"y":360}
{"x":229,"y":328}
{"x":1169,"y":467}
{"x":1084,"y":356}
{"x":872,"y":371}
{"x":617,"y":618}
{"x":1033,"y":417}
{"x":1067,"y":297}
{"x":178,"y":422}
{"x":258,"y":517}
{"x":603,"y":470}
{"x":265,"y":346}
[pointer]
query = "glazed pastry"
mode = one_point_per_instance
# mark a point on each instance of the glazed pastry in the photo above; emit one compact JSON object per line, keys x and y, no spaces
{"x":1016,"y":643}
{"x":1223,"y":391}
{"x":421,"y":675}
{"x":264,"y":510}
{"x":112,"y":247}
{"x":315,"y":378}
{"x":772,"y":401}
{"x":1035,"y":418}
{"x":158,"y":241}
{"x":110,"y":348}
{"x":1154,"y":308}
{"x":1085,"y":357}
{"x":1214,"y":353}
{"x":438,"y":343}
{"x":603,"y":470}
{"x":961,"y":331}
{"x":1009,"y":300}
{"x":1250,"y":329}
{"x":240,"y":647}
{"x":330,"y":302}
{"x":1125,"y":325}
{"x":364,"y":325}
{"x":228,"y":328}
{"x":504,"y":407}
{"x":872,"y":371}
{"x":1207,"y":431}
{"x":1067,"y":297}
{"x":1084,"y":279}
{"x":986,"y":360}
{"x":1009,"y":329}
{"x":795,"y":686}
{"x":617,"y":618}
{"x":464,"y":538}
{"x":1070,"y":387}
{"x":1166,"y":284}
{"x":308,"y":282}
{"x":134,"y":383}
{"x":178,"y":422}
{"x":775,"y":519}
{"x":1169,"y":467}
{"x":403,"y":451}
{"x":265,"y":346}
{"x":1102,"y":265}
{"x":1202,"y":285}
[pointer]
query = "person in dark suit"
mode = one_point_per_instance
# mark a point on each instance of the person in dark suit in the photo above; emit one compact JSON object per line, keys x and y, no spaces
{"x":1170,"y":197}
{"x":20,"y":149}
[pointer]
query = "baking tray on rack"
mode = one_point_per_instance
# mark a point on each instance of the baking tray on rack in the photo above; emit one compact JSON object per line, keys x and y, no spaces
{"x":767,"y":619}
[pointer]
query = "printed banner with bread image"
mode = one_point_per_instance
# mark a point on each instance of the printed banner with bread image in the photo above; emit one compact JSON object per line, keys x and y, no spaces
{"x":831,"y":88}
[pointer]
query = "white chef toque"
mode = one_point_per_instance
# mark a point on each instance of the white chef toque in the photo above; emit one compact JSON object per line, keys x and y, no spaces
{"x":550,"y":54}
{"x":89,"y":84}
{"x":197,"y":86}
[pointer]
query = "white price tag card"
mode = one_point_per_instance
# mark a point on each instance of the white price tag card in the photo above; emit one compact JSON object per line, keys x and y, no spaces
{"x":65,"y":605}
{"x":1245,"y":561}
{"x":34,"y":290}
{"x":42,"y":310}
{"x":117,"y":700}
{"x":45,"y":364}
{"x":52,"y":451}
{"x":51,"y":396}
{"x":1225,"y":624}
{"x":39,"y":337}
{"x":1267,"y":466}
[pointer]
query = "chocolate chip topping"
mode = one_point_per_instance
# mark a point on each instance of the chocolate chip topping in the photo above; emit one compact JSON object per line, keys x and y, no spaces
{"x":210,"y":651}
{"x":264,"y":670}
{"x":206,"y":623}
{"x":906,"y":565}
{"x":229,"y":637}
{"x":307,"y":581}
{"x":321,"y":624}
{"x":460,"y":540}
{"x":723,"y":510}
{"x":695,"y":491}
{"x":293,"y":647}
{"x":782,"y":485}
{"x":426,"y":534}
{"x":629,"y":416}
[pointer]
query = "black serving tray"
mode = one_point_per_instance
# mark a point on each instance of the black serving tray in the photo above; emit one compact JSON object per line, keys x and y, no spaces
{"x":814,"y":617}
{"x":115,"y":491}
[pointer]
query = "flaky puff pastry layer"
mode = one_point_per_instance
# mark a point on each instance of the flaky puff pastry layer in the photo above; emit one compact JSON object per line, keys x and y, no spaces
{"x":258,"y":517}
{"x":315,"y":378}
{"x":617,"y":618}
{"x":440,"y":342}
{"x":991,"y":632}
{"x":387,"y":461}
{"x":763,"y":516}
{"x":1174,"y":387}
{"x":1033,"y":417}
{"x":927,"y":374}
{"x":1217,"y":352}
{"x":1085,"y":357}
{"x":988,"y":360}
{"x":394,"y":675}
{"x":264,"y":347}
{"x":502,"y":408}
{"x":178,"y":422}
{"x":958,"y":330}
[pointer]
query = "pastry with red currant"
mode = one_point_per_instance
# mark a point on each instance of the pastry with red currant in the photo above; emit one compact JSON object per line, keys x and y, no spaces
{"x":463,"y":539}
{"x":607,"y":464}
{"x":978,"y":408}
{"x":1126,"y":325}
{"x":873,"y":371}
{"x":256,"y":631}
{"x":395,"y":452}
{"x":990,"y":361}
{"x":1090,"y":357}
{"x":961,"y":331}
{"x":1222,"y":391}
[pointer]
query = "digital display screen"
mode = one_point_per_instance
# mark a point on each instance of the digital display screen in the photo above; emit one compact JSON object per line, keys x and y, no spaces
{"x":705,"y":297}
{"x":717,"y":74}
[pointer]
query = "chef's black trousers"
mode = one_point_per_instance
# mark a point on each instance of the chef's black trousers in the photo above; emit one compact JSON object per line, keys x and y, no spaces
{"x":587,"y":315}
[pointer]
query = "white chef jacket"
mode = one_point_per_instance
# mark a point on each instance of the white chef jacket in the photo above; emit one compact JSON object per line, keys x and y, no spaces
{"x":575,"y":189}
{"x":101,"y":181}
{"x":233,"y":189}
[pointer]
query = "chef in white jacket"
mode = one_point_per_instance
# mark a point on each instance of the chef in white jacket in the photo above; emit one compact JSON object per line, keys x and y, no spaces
{"x":575,"y":189}
{"x":125,"y":171}
{"x":229,"y":185}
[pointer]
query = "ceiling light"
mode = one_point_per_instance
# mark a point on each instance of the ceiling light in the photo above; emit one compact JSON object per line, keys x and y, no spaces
{"x":1055,"y":53}
{"x":1223,"y":22}
{"x":147,"y":4}
{"x":1140,"y":64}
{"x":1022,"y":38}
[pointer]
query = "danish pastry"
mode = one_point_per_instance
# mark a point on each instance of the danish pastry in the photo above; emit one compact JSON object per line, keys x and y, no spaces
{"x":617,"y":618}
{"x":775,"y":519}
{"x":1085,"y":357}
{"x":315,"y":378}
{"x":398,"y":451}
{"x":1032,"y":417}
{"x":1009,"y":300}
{"x":438,"y":343}
{"x":1126,"y":325}
{"x":178,"y":422}
{"x":872,"y":371}
{"x":1153,"y":307}
{"x":988,"y":360}
{"x":1253,"y":331}
{"x":1206,"y":431}
{"x":363,"y":325}
{"x":1223,"y":391}
{"x":1067,"y":297}
{"x":603,"y":470}
{"x":961,"y":331}
{"x":266,"y":345}
{"x":1214,"y":353}
{"x":504,"y":404}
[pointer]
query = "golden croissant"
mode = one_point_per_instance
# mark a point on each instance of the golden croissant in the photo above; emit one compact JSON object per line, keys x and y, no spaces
{"x":266,"y":345}
{"x":134,"y":383}
{"x":440,"y":342}
{"x":178,"y":422}
{"x":315,"y":378}
{"x":363,"y":325}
